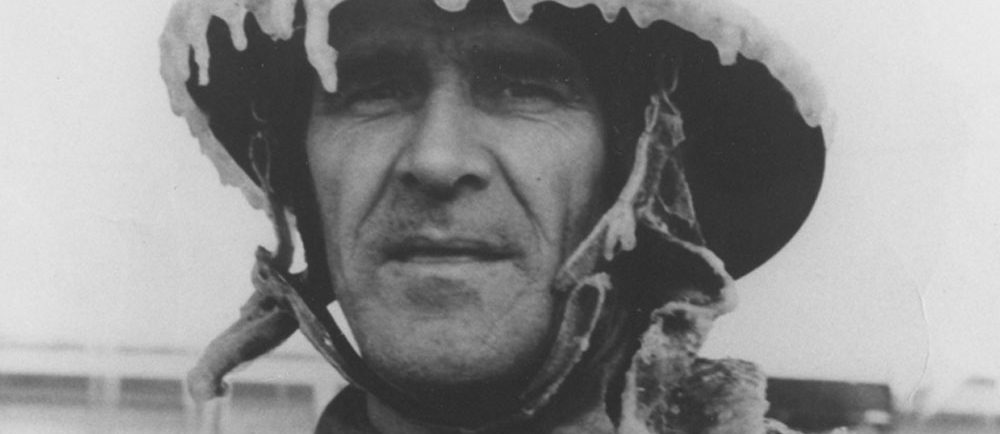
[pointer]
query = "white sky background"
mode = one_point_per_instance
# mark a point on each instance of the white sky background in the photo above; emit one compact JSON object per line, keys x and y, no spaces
{"x":115,"y":230}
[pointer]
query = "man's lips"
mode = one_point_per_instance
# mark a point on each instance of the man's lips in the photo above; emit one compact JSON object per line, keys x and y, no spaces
{"x":428,"y":250}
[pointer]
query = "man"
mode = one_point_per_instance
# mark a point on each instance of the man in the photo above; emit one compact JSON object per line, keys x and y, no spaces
{"x":501,"y":209}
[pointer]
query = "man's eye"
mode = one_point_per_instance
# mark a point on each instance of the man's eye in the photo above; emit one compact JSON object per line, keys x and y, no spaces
{"x":528,"y":94}
{"x":375,"y":98}
{"x":528,"y":90}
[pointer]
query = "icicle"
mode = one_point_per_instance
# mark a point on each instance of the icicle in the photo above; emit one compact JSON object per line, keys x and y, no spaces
{"x":275,"y":17}
{"x":452,"y":5}
{"x":520,"y":10}
{"x":233,"y":13}
{"x":236,"y":31}
{"x":202,"y":56}
{"x":321,"y":55}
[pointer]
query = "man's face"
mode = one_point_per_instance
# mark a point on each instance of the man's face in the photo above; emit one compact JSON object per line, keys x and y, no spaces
{"x":455,"y":168}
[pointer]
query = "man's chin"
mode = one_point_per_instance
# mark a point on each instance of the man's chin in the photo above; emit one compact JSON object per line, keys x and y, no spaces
{"x":455,"y":334}
{"x":457,"y":353}
{"x":457,"y":359}
{"x":439,"y":288}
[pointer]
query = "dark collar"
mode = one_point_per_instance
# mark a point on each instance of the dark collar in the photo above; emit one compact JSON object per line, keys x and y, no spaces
{"x":347,"y":413}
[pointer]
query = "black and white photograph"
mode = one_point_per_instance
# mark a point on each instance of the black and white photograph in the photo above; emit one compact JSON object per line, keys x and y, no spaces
{"x":500,"y":216}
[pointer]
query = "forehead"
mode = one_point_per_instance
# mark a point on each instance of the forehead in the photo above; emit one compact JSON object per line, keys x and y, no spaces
{"x":420,"y":28}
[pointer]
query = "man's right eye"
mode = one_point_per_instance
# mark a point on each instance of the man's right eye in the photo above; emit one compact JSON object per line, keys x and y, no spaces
{"x":382,"y":97}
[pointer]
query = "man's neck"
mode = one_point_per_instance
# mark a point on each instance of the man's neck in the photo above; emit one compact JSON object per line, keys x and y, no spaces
{"x":585,"y":415}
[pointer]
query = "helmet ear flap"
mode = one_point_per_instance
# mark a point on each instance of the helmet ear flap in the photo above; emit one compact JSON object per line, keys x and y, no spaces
{"x":319,"y":287}
{"x":660,"y":270}
{"x":283,"y":102}
{"x":293,"y":191}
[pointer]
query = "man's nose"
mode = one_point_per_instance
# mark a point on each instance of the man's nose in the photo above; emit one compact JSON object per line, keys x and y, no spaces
{"x":445,"y":157}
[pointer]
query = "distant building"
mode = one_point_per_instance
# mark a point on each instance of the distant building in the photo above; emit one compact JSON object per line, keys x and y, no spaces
{"x":816,"y":405}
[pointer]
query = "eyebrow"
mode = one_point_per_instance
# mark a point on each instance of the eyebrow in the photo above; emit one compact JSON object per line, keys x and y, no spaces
{"x":547,"y":64}
{"x":384,"y":55}
{"x":358,"y":63}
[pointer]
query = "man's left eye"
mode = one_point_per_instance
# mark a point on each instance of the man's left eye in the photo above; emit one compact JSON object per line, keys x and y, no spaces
{"x":526,"y":89}
{"x":532,"y":95}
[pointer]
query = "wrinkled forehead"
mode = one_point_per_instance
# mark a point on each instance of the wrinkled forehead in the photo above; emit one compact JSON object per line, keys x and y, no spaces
{"x":418,"y":29}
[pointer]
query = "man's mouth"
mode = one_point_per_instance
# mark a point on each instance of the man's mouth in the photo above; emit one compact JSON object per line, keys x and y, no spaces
{"x":425,"y":250}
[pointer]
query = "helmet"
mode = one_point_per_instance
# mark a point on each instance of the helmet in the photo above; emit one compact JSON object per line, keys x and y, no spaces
{"x":717,"y":157}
